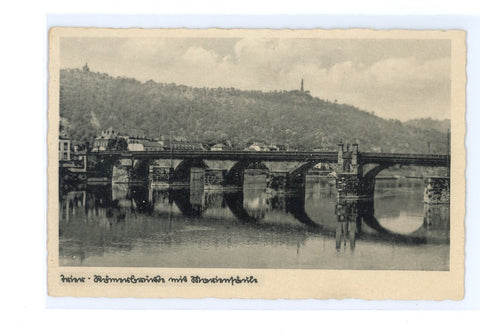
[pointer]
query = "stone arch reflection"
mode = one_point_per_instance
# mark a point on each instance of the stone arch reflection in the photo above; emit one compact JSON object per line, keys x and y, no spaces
{"x":140,"y":199}
{"x":346,"y":222}
{"x":418,"y":236}
{"x":98,"y":199}
{"x":185,"y":201}
{"x":295,"y":204}
{"x":252,"y":206}
{"x":387,"y":235}
{"x":234,"y":201}
{"x":190,"y":201}
{"x":354,"y":212}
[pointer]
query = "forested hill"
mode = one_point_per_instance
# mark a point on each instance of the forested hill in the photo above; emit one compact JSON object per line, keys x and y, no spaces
{"x":90,"y":102}
{"x":440,"y":125}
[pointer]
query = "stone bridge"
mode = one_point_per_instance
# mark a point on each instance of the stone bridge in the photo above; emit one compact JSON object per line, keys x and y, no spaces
{"x":354,"y":171}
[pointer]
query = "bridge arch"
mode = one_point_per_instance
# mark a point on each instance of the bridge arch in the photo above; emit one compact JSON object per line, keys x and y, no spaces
{"x":375,"y":170}
{"x":102,"y":165}
{"x":182,"y":171}
{"x":366,"y":177}
{"x":182,"y":199}
{"x":297,"y":176}
{"x":367,"y":180}
{"x":234,"y":202}
{"x":235,"y":176}
{"x":140,"y":168}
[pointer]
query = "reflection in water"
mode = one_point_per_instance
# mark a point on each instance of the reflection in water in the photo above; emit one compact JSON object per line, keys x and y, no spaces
{"x":349,"y":219}
{"x":127,"y":225}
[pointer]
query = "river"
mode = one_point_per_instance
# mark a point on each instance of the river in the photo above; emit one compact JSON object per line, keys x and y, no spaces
{"x":136,"y":226}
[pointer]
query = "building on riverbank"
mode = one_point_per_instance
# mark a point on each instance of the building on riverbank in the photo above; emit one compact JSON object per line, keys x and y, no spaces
{"x":64,"y":148}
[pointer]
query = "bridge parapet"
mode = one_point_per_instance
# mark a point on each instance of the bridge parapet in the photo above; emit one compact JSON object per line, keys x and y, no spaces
{"x":353,"y":155}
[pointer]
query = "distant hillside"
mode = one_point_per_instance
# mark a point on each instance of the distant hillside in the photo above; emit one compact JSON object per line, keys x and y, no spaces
{"x":91,"y":101}
{"x":429,"y":123}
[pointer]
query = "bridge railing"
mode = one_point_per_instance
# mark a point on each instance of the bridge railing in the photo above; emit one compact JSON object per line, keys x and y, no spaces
{"x":406,"y":159}
{"x":402,"y":155}
{"x":228,"y":155}
{"x":323,"y":156}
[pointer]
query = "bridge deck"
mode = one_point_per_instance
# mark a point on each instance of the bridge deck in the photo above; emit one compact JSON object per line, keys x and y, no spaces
{"x":320,"y":156}
{"x":404,"y":159}
{"x":326,"y":156}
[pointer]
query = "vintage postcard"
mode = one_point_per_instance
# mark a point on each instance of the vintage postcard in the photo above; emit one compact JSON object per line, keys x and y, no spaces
{"x":249,"y":163}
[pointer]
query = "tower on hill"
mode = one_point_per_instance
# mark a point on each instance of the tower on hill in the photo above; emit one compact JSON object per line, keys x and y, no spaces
{"x":301,"y":86}
{"x":86,"y":68}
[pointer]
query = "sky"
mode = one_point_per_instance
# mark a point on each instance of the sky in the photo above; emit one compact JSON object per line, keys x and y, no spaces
{"x":394,"y":78}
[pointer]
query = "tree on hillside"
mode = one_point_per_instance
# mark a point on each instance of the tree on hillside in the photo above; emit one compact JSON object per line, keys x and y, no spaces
{"x":216,"y":115}
{"x":121,"y":144}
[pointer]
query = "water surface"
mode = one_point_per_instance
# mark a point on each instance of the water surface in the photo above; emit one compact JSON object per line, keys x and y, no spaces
{"x":126,"y":225}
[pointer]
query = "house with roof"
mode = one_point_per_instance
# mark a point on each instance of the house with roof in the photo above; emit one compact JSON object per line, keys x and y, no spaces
{"x":105,"y":140}
{"x":64,"y":148}
{"x":218,"y":147}
{"x":258,"y":146}
{"x":152,"y":146}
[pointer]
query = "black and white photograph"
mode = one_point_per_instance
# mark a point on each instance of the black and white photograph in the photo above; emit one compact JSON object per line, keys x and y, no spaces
{"x":252,"y":167}
{"x":271,"y":151}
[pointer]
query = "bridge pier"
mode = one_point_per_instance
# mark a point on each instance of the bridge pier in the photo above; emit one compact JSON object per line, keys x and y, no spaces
{"x":160,"y":175}
{"x":437,"y":190}
{"x":214,"y":178}
{"x":128,"y":170}
{"x":350,"y":182}
{"x":207,"y":178}
{"x":197,"y":189}
{"x":277,"y":180}
{"x":253,"y":178}
{"x":296,"y":181}
{"x":121,"y":173}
